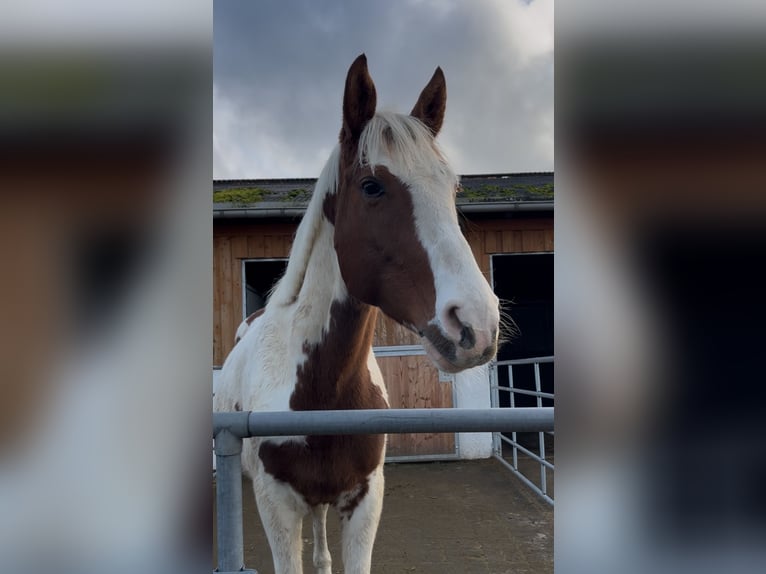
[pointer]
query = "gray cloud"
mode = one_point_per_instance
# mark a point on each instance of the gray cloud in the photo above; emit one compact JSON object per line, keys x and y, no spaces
{"x":279,"y":69}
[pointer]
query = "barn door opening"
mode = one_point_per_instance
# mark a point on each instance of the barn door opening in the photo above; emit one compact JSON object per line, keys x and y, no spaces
{"x":523,"y":376}
{"x":524,"y":284}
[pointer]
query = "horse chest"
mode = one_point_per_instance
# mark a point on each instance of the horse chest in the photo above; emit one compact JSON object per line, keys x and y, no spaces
{"x":323,"y":468}
{"x":328,"y":469}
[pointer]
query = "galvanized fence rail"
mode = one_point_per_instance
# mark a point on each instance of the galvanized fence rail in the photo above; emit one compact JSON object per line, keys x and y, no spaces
{"x":230,"y":428}
{"x":498,"y":439}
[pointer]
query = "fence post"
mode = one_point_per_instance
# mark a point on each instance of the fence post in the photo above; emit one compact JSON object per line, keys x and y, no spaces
{"x":228,"y":488}
{"x":494,"y":402}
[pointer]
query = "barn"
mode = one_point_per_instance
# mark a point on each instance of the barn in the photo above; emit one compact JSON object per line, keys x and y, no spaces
{"x":508,"y":222}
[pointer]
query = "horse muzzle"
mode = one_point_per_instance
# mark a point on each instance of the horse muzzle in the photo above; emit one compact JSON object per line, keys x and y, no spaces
{"x":468,"y":348}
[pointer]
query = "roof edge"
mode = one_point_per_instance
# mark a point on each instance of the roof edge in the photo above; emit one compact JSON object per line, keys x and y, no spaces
{"x":505,"y":175}
{"x":281,"y":211}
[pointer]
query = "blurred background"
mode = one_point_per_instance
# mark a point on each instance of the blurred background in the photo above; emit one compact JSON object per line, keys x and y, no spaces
{"x":105,"y":234}
{"x":661,"y":239}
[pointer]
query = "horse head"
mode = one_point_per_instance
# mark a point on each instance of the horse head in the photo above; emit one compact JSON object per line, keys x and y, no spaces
{"x":397,"y":237}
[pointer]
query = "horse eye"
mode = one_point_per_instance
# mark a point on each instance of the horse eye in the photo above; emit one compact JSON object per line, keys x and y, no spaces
{"x":372,"y":188}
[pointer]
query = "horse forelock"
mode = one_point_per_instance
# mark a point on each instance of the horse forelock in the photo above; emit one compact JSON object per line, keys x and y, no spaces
{"x":405,"y":146}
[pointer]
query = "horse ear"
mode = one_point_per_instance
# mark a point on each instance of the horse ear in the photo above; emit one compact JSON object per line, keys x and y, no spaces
{"x":359,"y":99}
{"x":432,"y":102}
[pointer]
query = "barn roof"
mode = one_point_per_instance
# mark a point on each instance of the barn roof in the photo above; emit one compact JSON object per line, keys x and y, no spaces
{"x":503,"y":192}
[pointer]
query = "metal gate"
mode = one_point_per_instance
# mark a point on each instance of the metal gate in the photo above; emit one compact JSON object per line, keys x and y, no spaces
{"x":230,"y":428}
{"x":521,"y":458}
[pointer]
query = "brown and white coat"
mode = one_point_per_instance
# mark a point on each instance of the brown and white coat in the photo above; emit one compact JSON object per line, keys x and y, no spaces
{"x":381,"y":231}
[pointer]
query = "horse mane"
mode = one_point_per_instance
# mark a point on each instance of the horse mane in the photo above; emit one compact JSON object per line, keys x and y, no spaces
{"x":395,"y":140}
{"x":289,"y":286}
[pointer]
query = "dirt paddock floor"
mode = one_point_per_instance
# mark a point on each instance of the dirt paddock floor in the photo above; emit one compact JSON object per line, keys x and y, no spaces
{"x":459,"y":517}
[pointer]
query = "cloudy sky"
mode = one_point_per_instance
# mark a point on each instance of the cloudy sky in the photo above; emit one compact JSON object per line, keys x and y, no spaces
{"x":280,"y":67}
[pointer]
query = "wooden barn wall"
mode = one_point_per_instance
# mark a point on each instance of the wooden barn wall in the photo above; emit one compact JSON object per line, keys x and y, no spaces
{"x":413,"y":382}
{"x":234,"y":242}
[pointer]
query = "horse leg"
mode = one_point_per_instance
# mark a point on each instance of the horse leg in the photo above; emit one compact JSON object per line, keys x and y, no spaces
{"x":282,"y":518}
{"x":322,"y":558}
{"x":360,"y":524}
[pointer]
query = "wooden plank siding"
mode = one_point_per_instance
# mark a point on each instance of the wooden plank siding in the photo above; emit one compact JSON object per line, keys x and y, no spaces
{"x":233,"y":242}
{"x":412,"y":381}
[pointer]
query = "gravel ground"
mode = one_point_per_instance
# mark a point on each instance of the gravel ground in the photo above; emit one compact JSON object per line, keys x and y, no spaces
{"x":439,"y":518}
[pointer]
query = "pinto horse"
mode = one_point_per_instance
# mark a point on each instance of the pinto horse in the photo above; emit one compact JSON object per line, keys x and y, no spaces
{"x":380,"y":232}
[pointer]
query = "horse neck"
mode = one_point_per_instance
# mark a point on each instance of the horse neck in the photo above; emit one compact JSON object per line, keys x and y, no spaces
{"x":333,"y":328}
{"x":312,"y":296}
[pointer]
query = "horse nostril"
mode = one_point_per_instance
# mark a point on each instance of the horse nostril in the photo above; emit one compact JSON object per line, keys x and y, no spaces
{"x":467,"y":338}
{"x":453,"y":325}
{"x":451,"y":316}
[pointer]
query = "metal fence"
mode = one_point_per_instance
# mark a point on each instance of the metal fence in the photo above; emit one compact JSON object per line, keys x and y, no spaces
{"x":503,"y":372}
{"x":230,"y":428}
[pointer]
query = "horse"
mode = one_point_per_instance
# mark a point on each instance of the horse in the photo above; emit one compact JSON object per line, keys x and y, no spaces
{"x":380,"y":232}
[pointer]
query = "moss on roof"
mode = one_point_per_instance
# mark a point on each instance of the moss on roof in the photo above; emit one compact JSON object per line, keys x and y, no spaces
{"x":512,"y":192}
{"x":248,"y":195}
{"x":297,"y":194}
{"x":239,"y":195}
{"x":473,"y":190}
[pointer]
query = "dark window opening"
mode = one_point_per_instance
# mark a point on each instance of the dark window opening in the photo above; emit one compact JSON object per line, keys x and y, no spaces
{"x":260,"y":278}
